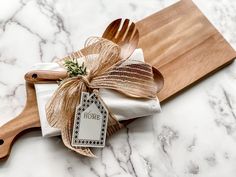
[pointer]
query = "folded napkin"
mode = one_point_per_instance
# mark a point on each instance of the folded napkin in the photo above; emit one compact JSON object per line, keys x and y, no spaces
{"x":122,"y":107}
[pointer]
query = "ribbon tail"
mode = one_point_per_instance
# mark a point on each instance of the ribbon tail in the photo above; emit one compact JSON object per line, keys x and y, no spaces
{"x":67,"y":136}
{"x":61,"y":109}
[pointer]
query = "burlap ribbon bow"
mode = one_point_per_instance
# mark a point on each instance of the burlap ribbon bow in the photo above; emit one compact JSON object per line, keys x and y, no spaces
{"x":105,"y":70}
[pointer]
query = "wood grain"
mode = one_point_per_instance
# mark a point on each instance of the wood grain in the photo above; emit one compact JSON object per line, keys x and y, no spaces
{"x":178,"y":40}
{"x":183,"y":45}
{"x":29,"y":118}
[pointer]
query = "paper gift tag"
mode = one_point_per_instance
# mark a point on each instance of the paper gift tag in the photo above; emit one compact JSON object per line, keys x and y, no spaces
{"x":90,"y":122}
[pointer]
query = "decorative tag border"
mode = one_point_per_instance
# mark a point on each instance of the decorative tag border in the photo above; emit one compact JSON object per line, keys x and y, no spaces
{"x":85,"y":102}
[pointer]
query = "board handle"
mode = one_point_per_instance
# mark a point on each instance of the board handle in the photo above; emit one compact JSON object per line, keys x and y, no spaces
{"x":28,"y":119}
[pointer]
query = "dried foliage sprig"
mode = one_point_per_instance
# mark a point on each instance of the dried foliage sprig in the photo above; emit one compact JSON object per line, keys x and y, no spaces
{"x":74,"y":69}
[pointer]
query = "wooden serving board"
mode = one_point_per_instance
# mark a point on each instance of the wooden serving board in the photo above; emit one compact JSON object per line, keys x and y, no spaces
{"x":183,"y":45}
{"x":178,"y":40}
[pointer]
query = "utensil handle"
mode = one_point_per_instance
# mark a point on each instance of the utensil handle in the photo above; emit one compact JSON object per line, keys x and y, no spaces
{"x":44,"y":76}
{"x":28,"y":119}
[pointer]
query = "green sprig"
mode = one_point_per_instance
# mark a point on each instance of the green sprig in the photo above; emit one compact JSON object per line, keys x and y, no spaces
{"x":74,"y":69}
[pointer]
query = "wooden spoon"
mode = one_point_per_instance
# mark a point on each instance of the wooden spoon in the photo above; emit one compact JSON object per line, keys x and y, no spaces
{"x":126,"y":35}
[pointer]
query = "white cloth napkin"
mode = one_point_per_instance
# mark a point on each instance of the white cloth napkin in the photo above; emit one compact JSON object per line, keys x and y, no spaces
{"x":122,"y":107}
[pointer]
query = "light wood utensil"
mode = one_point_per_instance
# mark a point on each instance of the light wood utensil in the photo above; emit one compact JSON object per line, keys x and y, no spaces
{"x":125,"y":34}
{"x":44,"y":76}
{"x":178,"y":40}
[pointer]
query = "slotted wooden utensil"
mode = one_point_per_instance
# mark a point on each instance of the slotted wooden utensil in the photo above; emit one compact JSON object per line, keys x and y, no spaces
{"x":125,"y":35}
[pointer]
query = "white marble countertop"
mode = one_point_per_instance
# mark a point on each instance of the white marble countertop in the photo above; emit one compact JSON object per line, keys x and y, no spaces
{"x":195,"y":135}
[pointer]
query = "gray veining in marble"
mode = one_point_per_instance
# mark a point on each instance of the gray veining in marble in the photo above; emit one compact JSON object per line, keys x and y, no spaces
{"x":195,"y":135}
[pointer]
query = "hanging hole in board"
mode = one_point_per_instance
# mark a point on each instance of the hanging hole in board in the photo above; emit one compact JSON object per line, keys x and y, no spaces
{"x":34,"y":76}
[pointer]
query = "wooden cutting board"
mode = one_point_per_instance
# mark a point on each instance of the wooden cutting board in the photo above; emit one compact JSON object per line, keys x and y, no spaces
{"x":183,"y":45}
{"x":178,"y":40}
